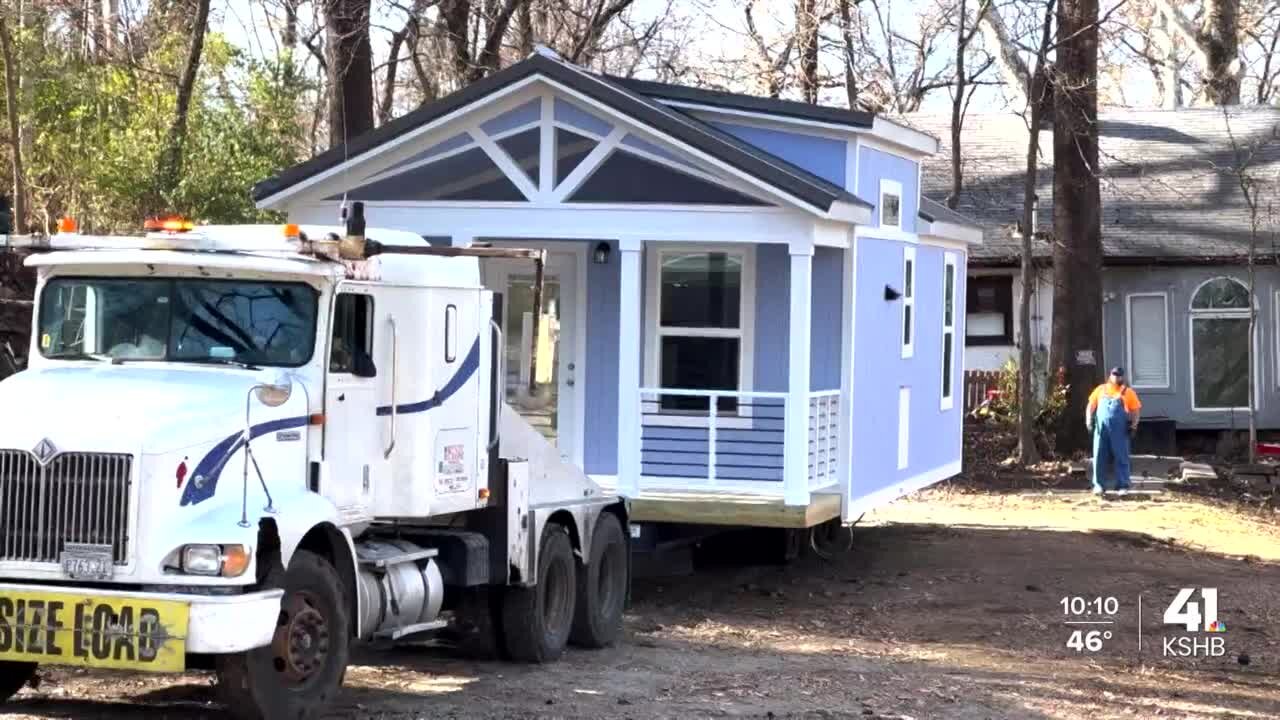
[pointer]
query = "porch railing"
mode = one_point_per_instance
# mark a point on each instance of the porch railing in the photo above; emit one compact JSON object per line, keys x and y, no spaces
{"x":712,"y":439}
{"x":824,"y":438}
{"x":733,"y":441}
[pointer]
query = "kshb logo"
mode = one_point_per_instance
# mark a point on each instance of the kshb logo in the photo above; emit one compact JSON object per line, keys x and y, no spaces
{"x":1186,"y":612}
{"x":1195,"y":617}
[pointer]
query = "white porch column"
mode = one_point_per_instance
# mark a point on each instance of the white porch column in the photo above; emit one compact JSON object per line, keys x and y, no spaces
{"x":629,"y":299}
{"x":796,"y":443}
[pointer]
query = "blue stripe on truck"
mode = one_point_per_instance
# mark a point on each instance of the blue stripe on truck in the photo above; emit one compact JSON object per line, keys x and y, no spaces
{"x":209,"y":469}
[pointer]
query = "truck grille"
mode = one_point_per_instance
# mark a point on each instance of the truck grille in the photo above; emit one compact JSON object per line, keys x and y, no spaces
{"x":75,"y":498}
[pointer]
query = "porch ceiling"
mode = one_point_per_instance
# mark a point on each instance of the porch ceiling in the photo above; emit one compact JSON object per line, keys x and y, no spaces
{"x":699,"y":150}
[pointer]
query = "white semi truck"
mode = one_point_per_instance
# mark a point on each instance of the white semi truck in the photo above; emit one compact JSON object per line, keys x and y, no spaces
{"x":246,"y":448}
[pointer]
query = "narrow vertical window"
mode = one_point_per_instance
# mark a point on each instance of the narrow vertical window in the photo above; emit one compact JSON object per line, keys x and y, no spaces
{"x":450,"y":333}
{"x":904,"y":427}
{"x":948,"y":330}
{"x":890,"y":204}
{"x":908,"y":301}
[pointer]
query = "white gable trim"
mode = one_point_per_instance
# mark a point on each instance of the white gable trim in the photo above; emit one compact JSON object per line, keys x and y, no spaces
{"x":500,"y":100}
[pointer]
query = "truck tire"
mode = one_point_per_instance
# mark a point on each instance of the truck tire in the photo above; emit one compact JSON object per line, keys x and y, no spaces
{"x":602,"y":587}
{"x":301,"y":671}
{"x":13,"y":677}
{"x":536,"y":621}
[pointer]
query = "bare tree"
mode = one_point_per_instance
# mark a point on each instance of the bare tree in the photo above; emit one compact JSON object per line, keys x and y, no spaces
{"x":962,"y":93}
{"x":350,"y":69}
{"x":170,"y":167}
{"x":1216,"y":44}
{"x":11,"y":75}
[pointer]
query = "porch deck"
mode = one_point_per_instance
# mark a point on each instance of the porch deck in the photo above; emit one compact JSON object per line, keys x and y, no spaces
{"x":729,"y":508}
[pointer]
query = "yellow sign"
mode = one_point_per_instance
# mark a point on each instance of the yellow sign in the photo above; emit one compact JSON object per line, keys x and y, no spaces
{"x":107,"y":632}
{"x":45,"y":340}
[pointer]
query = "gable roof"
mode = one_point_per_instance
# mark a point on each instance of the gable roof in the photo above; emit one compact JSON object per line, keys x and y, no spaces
{"x":1168,"y":190}
{"x":785,"y":177}
{"x":748,"y":103}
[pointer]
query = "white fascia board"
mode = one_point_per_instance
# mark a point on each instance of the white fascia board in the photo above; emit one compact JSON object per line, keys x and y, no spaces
{"x":914,"y":141}
{"x":855,"y":213}
{"x":949,"y":231}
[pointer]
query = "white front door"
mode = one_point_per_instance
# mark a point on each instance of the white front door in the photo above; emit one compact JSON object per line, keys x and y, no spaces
{"x":350,"y":438}
{"x":542,"y":386}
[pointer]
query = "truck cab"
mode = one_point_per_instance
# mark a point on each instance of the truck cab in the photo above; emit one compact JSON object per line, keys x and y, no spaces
{"x":247,"y":447}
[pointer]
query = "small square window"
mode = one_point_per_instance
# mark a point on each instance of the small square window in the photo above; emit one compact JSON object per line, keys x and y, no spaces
{"x":890,"y":204}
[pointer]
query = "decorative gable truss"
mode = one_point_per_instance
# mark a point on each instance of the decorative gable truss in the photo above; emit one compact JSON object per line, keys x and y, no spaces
{"x":547,"y":150}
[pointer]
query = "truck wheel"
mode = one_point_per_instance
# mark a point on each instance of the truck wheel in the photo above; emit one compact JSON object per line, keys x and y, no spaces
{"x":602,"y":587}
{"x":300,"y":672}
{"x":13,"y":677}
{"x":536,"y":620}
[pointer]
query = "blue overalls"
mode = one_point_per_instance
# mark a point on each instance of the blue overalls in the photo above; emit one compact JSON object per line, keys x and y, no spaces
{"x":1111,"y":443}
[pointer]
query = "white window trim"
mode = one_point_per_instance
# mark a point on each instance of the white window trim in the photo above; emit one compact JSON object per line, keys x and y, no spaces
{"x":745,"y":332}
{"x":1128,"y":356}
{"x":949,"y":260}
{"x":908,"y":301}
{"x":904,"y":427}
{"x":888,"y":187}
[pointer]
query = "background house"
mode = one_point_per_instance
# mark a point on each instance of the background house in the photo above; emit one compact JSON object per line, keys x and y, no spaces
{"x":1176,"y":232}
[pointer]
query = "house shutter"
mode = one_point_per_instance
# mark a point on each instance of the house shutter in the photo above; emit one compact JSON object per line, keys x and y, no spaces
{"x":1148,"y":341}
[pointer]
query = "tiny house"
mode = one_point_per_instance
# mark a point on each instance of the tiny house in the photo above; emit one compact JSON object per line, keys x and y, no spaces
{"x":750,"y":317}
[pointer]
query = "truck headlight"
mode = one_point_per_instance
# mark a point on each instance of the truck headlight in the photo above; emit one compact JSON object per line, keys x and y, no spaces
{"x":224,"y":560}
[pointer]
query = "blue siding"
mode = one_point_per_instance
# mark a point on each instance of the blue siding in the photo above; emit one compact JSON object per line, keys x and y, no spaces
{"x":570,"y":114}
{"x":874,"y":165}
{"x":821,"y":156}
{"x":773,"y":319}
{"x":880,"y":369}
{"x":600,"y":455}
{"x":529,"y":112}
{"x":827,"y":318}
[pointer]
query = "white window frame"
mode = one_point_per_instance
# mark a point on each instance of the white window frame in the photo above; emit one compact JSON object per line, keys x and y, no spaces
{"x":1235,"y":314}
{"x":1128,"y":356}
{"x":904,"y":427}
{"x":949,"y":262}
{"x":745,"y":332}
{"x":890,"y":187}
{"x":907,"y":335}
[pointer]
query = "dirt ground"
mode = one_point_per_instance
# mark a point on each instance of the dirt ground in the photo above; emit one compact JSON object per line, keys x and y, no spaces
{"x":949,"y":606}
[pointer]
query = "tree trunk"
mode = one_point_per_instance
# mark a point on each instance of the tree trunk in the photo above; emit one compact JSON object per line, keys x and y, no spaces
{"x":1222,"y":51}
{"x":1077,"y":229}
{"x":170,"y":169}
{"x":957,"y":110}
{"x":807,"y":29}
{"x":850,"y":48}
{"x":393,"y":64}
{"x":350,"y":69}
{"x":11,"y":74}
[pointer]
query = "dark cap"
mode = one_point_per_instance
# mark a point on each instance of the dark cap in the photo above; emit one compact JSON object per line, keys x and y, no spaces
{"x":1117,"y":371}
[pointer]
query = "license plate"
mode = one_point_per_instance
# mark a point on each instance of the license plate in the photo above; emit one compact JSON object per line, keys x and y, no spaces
{"x":99,"y":632}
{"x":88,"y":562}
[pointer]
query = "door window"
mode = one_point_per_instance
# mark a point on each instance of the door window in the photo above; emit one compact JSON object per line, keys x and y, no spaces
{"x":352,"y":351}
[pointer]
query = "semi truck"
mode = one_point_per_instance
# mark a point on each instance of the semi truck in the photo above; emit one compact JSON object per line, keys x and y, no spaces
{"x":247,"y":448}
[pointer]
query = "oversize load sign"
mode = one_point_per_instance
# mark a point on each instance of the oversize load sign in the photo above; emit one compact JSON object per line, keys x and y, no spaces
{"x":122,"y":633}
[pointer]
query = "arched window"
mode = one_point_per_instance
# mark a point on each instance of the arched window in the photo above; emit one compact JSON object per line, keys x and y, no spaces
{"x":1220,"y":345}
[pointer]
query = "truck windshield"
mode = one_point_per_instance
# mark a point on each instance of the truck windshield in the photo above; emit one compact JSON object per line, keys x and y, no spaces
{"x":178,"y":320}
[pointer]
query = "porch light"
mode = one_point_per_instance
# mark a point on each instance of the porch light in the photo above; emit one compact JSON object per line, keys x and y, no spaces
{"x":890,"y":293}
{"x":601,"y":254}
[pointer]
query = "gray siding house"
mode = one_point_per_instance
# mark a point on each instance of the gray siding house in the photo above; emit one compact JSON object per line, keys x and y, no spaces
{"x":1176,"y":232}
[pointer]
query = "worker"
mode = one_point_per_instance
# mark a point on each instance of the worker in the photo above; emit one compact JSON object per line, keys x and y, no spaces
{"x":1112,"y":413}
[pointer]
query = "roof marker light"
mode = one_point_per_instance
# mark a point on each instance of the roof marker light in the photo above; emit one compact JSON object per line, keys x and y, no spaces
{"x":169,"y":224}
{"x":67,"y":224}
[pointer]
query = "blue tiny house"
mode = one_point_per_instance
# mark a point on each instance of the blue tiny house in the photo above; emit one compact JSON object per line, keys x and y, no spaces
{"x":750,"y":315}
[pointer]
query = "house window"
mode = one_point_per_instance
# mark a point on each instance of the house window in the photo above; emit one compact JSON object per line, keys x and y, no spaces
{"x":908,"y":301}
{"x":1148,"y":325}
{"x":352,"y":350}
{"x":702,"y":334}
{"x":1220,"y":345}
{"x":948,"y":330}
{"x":890,"y":204}
{"x":989,"y":311}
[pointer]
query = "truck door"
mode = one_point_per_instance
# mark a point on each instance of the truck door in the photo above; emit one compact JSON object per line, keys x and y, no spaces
{"x":350,"y":406}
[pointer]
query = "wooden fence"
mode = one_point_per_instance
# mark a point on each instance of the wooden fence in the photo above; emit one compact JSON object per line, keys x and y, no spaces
{"x":976,"y":385}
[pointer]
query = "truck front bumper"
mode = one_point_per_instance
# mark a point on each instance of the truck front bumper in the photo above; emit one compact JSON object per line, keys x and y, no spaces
{"x":216,"y":624}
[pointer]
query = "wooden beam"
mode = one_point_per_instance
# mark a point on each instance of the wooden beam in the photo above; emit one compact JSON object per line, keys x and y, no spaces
{"x":734,"y":510}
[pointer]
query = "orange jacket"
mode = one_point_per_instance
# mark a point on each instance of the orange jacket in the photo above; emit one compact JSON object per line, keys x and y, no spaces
{"x":1124,"y":392}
